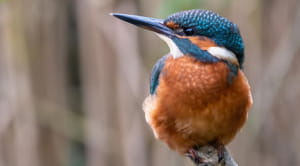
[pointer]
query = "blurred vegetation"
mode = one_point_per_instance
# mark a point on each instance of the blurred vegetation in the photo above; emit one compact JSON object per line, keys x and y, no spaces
{"x":73,"y":78}
{"x":172,"y":6}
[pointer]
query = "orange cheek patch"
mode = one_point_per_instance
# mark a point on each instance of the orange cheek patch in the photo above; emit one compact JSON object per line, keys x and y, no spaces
{"x":202,"y":42}
{"x":172,"y":25}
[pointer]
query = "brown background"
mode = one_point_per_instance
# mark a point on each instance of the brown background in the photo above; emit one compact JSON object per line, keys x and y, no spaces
{"x":73,"y":78}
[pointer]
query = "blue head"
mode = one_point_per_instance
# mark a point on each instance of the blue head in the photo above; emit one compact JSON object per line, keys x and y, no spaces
{"x":211,"y":25}
{"x":200,"y":33}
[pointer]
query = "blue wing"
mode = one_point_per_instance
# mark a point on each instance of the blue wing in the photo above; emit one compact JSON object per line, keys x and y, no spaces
{"x":156,"y":71}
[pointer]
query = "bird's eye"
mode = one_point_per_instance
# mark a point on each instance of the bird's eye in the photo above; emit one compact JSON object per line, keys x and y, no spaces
{"x":189,"y":31}
{"x":184,"y":31}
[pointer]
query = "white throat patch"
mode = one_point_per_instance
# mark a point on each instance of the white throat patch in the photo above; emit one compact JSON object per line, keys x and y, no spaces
{"x":223,"y":53}
{"x":174,"y":50}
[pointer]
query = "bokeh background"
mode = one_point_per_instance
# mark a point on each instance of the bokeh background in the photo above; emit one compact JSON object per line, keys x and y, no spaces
{"x":73,"y":79}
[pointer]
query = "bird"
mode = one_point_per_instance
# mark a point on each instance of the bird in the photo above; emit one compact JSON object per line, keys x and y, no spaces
{"x":199,"y":94}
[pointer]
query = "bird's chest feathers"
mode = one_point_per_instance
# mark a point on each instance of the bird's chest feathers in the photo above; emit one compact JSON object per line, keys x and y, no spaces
{"x":193,"y":80}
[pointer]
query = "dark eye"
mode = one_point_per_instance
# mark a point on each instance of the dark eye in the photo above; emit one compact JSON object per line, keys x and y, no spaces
{"x":189,"y":31}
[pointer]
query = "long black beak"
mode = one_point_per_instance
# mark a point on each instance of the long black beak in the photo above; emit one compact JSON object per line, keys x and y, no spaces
{"x":152,"y":24}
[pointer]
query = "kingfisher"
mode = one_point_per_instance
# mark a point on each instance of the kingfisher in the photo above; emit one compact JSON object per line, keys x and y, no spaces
{"x":199,"y":94}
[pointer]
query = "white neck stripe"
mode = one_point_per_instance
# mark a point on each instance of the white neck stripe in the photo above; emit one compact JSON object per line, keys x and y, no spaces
{"x":223,"y":53}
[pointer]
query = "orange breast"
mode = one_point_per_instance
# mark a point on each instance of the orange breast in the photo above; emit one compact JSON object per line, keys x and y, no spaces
{"x":195,"y":104}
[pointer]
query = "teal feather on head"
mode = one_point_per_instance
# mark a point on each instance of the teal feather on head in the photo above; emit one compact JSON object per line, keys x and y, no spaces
{"x":207,"y":23}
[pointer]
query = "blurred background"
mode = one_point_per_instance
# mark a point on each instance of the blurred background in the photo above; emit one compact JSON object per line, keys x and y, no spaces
{"x":73,"y":79}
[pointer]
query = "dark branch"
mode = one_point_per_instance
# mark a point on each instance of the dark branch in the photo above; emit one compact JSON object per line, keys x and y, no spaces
{"x":209,"y":156}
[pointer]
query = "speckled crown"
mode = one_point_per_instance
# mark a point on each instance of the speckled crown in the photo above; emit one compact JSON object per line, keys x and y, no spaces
{"x":210,"y":24}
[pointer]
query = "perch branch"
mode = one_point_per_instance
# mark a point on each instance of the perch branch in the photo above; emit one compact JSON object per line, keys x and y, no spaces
{"x":209,"y":156}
